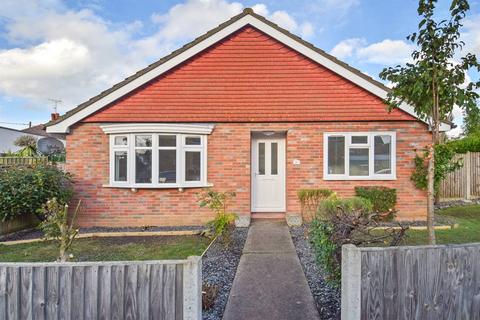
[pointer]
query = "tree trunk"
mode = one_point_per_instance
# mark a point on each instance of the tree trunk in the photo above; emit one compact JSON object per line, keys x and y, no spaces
{"x":431,"y":196}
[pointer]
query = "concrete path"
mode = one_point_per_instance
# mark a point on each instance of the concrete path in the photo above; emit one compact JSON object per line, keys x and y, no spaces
{"x":270,"y":283}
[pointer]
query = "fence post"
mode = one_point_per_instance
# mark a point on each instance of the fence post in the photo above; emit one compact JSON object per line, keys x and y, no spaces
{"x":468,"y":171}
{"x":351,"y":282}
{"x":192,"y":288}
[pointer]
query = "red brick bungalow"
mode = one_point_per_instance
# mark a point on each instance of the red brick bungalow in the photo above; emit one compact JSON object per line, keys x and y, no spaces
{"x":247,"y":107}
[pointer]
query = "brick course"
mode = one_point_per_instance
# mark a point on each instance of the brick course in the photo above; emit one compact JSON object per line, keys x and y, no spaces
{"x":229,"y":169}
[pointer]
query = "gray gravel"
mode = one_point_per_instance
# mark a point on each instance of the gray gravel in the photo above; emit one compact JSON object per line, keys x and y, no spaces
{"x":326,"y":297}
{"x":219,"y":265}
{"x":456,"y":203}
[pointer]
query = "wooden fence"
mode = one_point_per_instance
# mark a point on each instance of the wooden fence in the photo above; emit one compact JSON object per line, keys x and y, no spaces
{"x":169,"y":289}
{"x":18,"y":223}
{"x":463,"y":183}
{"x":8,"y":161}
{"x":424,"y":282}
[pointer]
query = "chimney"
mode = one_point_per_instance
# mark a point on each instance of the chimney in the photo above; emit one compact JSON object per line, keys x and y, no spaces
{"x":55,"y":116}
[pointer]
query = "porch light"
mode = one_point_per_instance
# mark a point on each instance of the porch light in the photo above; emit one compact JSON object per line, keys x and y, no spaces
{"x":268,"y":133}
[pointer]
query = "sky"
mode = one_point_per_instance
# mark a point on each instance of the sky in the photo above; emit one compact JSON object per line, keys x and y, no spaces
{"x":72,"y":50}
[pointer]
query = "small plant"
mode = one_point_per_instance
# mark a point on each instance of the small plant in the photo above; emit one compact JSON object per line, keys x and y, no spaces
{"x":310,"y":200}
{"x":209,"y":294}
{"x":56,"y":226}
{"x":223,"y":224}
{"x":347,"y":221}
{"x":383,"y":200}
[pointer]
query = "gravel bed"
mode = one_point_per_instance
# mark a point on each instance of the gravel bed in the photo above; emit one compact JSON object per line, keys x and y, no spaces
{"x":327,"y":298}
{"x":456,"y":203}
{"x":219,"y":265}
{"x":439,"y":221}
{"x":35,"y":233}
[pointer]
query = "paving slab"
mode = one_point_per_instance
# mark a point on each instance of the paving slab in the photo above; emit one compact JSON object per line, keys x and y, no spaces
{"x":270,"y":282}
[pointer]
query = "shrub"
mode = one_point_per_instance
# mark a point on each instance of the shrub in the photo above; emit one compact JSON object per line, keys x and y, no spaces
{"x":464,"y":145}
{"x":223,"y":224}
{"x":310,"y":200}
{"x":347,"y":221}
{"x":383,"y":200}
{"x":25,"y":189}
{"x":56,"y":226}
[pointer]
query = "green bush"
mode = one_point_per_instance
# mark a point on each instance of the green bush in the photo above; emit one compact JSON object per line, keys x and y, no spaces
{"x":24,"y":189}
{"x":464,"y":145}
{"x":347,"y":221}
{"x":310,"y":200}
{"x":383,"y":199}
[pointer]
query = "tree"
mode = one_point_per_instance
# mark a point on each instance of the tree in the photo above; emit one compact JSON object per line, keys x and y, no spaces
{"x":471,"y":124}
{"x":25,"y":141}
{"x":434,"y":82}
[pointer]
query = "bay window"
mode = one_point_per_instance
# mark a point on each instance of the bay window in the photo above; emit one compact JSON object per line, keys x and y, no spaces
{"x":359,"y":156}
{"x":158,"y":160}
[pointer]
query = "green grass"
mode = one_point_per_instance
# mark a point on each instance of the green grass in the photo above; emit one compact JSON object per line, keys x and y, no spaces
{"x":109,"y":249}
{"x":468,"y":219}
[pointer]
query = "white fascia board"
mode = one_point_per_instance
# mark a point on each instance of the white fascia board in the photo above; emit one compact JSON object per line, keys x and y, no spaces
{"x":63,"y":126}
{"x":188,"y":128}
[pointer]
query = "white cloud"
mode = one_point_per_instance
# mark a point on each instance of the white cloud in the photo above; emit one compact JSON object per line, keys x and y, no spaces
{"x":346,"y":48}
{"x":75,"y":54}
{"x":386,"y":52}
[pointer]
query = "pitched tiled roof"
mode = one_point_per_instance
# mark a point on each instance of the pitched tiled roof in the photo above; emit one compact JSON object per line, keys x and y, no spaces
{"x":163,"y":60}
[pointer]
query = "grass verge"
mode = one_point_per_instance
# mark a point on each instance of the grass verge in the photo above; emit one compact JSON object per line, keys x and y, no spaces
{"x":109,"y":249}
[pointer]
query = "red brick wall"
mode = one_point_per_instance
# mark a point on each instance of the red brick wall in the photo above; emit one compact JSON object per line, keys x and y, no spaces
{"x":229,"y":169}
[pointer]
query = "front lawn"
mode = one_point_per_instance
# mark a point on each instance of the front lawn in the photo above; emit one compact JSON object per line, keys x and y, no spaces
{"x":109,"y":249}
{"x":468,"y":219}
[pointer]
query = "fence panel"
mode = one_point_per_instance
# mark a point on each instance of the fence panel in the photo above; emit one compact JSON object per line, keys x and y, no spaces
{"x":9,"y":161}
{"x":424,"y":282}
{"x":169,"y":289}
{"x":463,"y":183}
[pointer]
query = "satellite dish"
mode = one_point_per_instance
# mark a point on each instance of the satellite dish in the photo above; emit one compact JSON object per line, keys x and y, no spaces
{"x":49,"y":145}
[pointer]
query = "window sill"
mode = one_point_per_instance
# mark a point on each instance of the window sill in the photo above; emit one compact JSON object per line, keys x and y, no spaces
{"x":389,"y":178}
{"x":188,"y":186}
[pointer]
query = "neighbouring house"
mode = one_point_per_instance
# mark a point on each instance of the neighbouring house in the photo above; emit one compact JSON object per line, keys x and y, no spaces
{"x":247,"y":107}
{"x":8,"y":137}
{"x":40,"y":130}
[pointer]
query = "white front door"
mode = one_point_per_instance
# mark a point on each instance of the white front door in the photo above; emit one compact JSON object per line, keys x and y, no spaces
{"x":268,"y":175}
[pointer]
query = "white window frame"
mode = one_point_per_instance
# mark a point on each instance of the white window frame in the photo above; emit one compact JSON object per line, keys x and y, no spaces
{"x":180,"y":148}
{"x":370,"y":145}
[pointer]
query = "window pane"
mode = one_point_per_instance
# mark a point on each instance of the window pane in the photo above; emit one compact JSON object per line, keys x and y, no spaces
{"x":143,"y":166}
{"x":120,"y":166}
{"x":121,"y":141}
{"x":261,"y":158}
{"x":359,"y":139}
{"x":358,"y":161}
{"x":192,"y":166}
{"x":336,"y":155}
{"x":167,"y":141}
{"x":382,"y":155}
{"x":192,"y":141}
{"x":274,"y":156}
{"x":143,"y":141}
{"x":167,"y":166}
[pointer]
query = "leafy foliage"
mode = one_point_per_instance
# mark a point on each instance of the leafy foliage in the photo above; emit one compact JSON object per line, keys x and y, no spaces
{"x":56,"y":226}
{"x":24,"y":189}
{"x":444,"y":164}
{"x":468,"y":144}
{"x":383,"y":200}
{"x":347,"y":221}
{"x":223,"y":224}
{"x":310,"y":200}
